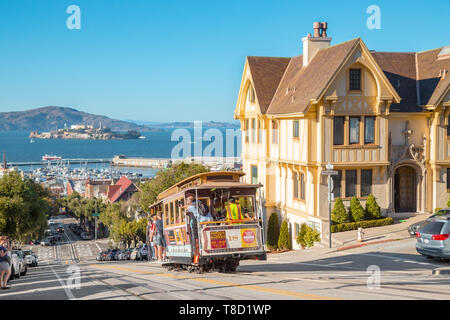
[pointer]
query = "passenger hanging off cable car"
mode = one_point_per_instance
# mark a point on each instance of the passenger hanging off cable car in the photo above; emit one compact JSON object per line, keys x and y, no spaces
{"x":197,"y":212}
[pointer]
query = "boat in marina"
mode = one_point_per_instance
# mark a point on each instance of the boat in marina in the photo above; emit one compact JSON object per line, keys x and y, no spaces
{"x":50,"y":157}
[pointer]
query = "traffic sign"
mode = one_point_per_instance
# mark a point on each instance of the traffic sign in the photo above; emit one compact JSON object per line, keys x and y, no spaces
{"x":96,"y":214}
{"x":330,"y":172}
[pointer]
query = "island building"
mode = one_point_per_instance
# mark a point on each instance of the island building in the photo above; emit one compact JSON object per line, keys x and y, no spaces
{"x":382,"y":119}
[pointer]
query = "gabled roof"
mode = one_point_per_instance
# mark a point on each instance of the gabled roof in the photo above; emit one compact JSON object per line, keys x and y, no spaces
{"x":266,"y":73}
{"x":415,"y":78}
{"x":400,"y":69}
{"x":300,"y":85}
{"x":117,"y":190}
{"x":429,"y":76}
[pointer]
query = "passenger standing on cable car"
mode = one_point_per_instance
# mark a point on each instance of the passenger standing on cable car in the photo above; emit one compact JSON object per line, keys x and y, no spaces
{"x":197,"y":212}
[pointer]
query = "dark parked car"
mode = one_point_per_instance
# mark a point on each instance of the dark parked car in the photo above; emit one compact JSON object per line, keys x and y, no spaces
{"x":415,"y":227}
{"x":111,"y":255}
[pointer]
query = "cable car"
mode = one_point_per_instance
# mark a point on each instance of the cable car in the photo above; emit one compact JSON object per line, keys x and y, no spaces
{"x":221,"y":242}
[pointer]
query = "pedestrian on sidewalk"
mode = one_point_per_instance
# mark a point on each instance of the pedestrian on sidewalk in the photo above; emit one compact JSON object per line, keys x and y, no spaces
{"x":159,"y":237}
{"x":5,"y":267}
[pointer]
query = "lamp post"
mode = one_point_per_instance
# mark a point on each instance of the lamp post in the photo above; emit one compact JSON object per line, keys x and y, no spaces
{"x":330,"y":172}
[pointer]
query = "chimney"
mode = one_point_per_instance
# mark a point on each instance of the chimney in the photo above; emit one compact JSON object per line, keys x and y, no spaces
{"x":319,"y":41}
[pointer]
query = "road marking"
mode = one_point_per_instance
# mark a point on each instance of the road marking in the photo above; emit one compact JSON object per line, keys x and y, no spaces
{"x":400,"y":260}
{"x":66,"y":290}
{"x":228,"y":284}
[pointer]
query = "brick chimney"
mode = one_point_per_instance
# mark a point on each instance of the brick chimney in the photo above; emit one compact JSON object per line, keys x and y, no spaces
{"x":312,"y":44}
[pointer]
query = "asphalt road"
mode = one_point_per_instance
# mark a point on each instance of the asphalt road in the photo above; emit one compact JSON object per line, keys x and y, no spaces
{"x":384,"y":271}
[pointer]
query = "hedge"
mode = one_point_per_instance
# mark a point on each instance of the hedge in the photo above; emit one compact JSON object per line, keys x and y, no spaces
{"x":361,"y":224}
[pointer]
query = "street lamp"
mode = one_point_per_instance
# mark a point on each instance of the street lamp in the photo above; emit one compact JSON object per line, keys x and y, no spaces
{"x":330,"y":172}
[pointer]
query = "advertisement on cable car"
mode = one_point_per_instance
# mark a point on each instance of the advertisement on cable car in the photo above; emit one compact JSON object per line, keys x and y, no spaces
{"x":231,"y":239}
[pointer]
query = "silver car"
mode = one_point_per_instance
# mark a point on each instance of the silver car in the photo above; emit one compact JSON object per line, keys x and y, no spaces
{"x":433,"y":239}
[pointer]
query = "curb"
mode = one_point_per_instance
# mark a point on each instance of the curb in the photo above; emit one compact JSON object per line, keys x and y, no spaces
{"x":367,"y":244}
{"x":443,"y":271}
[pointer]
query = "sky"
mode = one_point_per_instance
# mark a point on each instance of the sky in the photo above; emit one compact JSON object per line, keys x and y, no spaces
{"x":179,"y":60}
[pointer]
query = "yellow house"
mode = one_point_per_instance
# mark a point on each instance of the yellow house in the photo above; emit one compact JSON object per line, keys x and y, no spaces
{"x":381,"y":118}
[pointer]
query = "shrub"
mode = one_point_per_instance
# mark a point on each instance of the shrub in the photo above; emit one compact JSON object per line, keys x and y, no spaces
{"x":356,"y":210}
{"x":363,"y":224}
{"x":307,"y":236}
{"x":373,"y":210}
{"x":284,"y":241}
{"x":273,"y":231}
{"x":339,"y":213}
{"x":448,"y":203}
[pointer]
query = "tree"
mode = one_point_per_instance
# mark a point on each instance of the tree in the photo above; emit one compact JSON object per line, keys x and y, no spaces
{"x":356,"y":210}
{"x":339,"y":213}
{"x":373,"y":210}
{"x":23,"y":207}
{"x":273,"y":232}
{"x":164,"y":179}
{"x":307,"y":236}
{"x":284,"y":240}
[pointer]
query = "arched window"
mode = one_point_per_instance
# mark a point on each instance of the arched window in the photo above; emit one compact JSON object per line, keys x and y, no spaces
{"x":251,"y":93}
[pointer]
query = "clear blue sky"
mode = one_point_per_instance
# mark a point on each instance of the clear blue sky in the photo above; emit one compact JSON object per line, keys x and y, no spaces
{"x":179,"y":60}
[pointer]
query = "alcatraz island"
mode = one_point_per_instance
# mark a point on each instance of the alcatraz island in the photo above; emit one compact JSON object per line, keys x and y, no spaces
{"x":84,"y":132}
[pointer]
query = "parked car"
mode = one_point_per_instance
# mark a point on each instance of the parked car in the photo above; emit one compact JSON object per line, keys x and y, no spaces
{"x":143,"y":250}
{"x":135,"y":254}
{"x":128,"y":253}
{"x":101,"y":256}
{"x":15,"y":266}
{"x":415,"y":227}
{"x":48,"y":241}
{"x":85,"y":236}
{"x":30,"y":258}
{"x":111,"y":255}
{"x":433,"y":239}
{"x":121,"y":255}
{"x":22,"y":263}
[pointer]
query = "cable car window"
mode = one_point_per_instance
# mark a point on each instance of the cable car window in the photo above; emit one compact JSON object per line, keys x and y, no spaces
{"x":166,"y":214}
{"x":172,"y":214}
{"x":177,"y":211}
{"x":183,"y":211}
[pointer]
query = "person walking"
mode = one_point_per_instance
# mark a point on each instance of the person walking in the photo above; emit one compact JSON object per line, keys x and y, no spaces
{"x":158,"y":238}
{"x":5,"y":267}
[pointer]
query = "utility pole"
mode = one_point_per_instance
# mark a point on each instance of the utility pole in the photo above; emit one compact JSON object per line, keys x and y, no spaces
{"x":330,"y":172}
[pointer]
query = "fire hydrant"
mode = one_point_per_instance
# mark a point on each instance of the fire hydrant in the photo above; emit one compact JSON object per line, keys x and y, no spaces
{"x":360,"y":234}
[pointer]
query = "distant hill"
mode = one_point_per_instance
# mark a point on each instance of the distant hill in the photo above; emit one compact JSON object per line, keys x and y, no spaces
{"x":205,"y":124}
{"x":50,"y":118}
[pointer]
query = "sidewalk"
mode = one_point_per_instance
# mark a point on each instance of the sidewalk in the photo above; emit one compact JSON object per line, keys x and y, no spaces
{"x":397,"y":231}
{"x":348,"y":239}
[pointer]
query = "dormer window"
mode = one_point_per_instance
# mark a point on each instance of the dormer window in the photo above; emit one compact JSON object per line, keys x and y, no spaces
{"x":355,"y":79}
